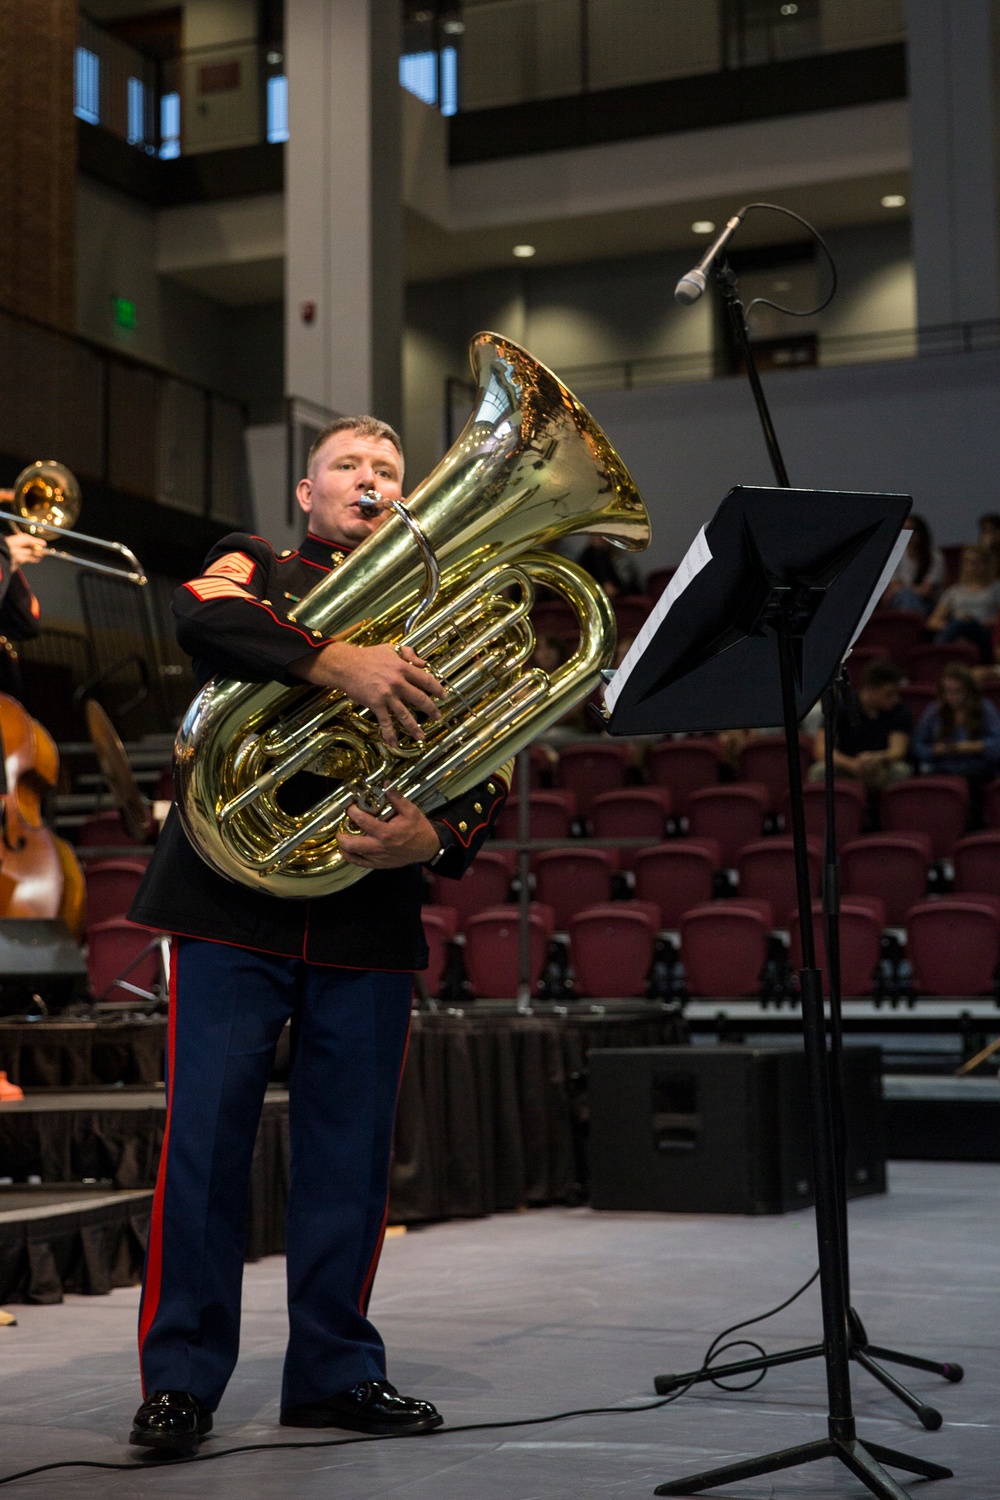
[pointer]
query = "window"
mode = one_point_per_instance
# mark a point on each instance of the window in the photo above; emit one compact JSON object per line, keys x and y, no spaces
{"x":88,"y":86}
{"x":418,"y":72}
{"x":170,"y":125}
{"x":136,"y":135}
{"x":277,"y":108}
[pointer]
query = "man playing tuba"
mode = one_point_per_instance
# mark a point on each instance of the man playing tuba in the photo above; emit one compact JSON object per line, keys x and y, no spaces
{"x":339,"y":967}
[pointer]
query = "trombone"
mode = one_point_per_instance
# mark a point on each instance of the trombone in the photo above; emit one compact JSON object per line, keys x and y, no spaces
{"x":46,"y":499}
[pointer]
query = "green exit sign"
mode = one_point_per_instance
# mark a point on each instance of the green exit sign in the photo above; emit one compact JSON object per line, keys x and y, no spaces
{"x":124,"y":311}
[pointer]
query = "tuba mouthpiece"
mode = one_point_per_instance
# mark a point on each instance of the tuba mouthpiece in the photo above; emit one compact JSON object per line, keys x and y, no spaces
{"x":370,"y":504}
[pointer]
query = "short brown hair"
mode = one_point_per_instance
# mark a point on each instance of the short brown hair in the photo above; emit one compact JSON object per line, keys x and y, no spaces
{"x":880,"y":673}
{"x":369,"y":427}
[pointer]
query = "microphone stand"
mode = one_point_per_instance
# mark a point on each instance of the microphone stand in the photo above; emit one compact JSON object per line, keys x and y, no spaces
{"x":858,"y":1347}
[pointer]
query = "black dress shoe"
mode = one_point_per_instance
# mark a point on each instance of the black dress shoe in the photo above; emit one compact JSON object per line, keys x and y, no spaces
{"x":171,"y":1422}
{"x":374,"y":1406}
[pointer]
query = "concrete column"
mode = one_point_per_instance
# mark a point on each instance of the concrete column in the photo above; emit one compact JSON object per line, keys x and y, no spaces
{"x":954,"y":160}
{"x":344,"y":289}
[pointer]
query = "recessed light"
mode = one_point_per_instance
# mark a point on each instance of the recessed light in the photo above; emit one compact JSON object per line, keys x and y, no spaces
{"x":702,"y":226}
{"x":524,"y":252}
{"x":789,"y":10}
{"x":893,"y":200}
{"x":453,"y":28}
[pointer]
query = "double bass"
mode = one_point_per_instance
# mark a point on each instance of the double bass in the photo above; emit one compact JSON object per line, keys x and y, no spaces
{"x":40,"y":875}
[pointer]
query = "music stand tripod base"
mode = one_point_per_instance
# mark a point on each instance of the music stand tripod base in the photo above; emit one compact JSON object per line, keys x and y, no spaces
{"x":755,"y":639}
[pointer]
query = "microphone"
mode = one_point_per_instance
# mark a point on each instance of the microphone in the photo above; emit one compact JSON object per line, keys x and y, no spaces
{"x":692,"y":285}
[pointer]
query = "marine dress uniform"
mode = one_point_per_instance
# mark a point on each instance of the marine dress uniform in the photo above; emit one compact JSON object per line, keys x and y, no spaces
{"x":341,"y":968}
{"x":20,"y":620}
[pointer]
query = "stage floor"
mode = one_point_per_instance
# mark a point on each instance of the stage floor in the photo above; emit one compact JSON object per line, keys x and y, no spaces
{"x":529,"y":1313}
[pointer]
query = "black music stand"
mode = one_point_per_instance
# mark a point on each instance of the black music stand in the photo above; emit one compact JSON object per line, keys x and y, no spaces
{"x":754,"y":639}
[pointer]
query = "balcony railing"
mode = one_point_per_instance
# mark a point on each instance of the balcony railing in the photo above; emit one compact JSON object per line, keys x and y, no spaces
{"x":489,"y":53}
{"x":204,"y":99}
{"x":115,"y":421}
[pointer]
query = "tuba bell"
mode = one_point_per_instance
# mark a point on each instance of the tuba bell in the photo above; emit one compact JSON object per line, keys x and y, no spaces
{"x":454,"y":575}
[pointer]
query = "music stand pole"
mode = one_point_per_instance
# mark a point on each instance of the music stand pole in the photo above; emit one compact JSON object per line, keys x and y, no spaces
{"x":859,"y":1347}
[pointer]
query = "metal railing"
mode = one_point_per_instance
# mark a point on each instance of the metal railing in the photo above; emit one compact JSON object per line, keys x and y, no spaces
{"x":203,"y":99}
{"x":486,"y":53}
{"x":129,"y":425}
{"x":843,"y":349}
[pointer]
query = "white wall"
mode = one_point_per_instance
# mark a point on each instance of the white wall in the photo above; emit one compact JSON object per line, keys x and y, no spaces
{"x":915,"y":427}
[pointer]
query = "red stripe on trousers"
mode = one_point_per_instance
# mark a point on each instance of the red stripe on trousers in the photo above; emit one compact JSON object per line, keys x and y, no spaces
{"x":154,"y":1258}
{"x":377,"y":1253}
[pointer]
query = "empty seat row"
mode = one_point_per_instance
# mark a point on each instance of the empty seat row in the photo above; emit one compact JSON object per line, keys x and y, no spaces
{"x":680,"y":874}
{"x":953,"y":946}
{"x":735,"y":814}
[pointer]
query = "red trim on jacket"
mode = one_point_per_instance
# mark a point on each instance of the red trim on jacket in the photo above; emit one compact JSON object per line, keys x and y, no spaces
{"x":153,"y":1278}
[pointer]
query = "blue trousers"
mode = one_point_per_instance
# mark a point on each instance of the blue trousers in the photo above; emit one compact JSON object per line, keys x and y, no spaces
{"x":228,"y":1008}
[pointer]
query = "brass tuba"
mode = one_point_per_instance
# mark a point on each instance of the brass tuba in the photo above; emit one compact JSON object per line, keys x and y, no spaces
{"x":453,"y":574}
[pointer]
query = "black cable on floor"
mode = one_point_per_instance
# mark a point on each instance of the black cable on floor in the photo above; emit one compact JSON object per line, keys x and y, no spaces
{"x":715,"y":1348}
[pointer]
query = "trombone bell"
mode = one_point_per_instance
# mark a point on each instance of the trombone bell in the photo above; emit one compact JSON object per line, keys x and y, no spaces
{"x":47,"y":500}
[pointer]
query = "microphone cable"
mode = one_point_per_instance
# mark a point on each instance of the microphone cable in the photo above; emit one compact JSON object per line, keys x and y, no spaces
{"x":715,"y":1348}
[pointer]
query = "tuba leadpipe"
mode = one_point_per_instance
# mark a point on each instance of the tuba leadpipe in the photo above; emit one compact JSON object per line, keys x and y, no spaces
{"x":46,"y":501}
{"x":452,"y":573}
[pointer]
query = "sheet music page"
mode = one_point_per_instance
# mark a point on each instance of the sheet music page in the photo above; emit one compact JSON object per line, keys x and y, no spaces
{"x":698,"y":554}
{"x":899,"y":547}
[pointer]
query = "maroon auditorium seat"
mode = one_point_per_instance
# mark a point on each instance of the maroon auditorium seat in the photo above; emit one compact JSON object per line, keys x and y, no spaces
{"x":861,"y":924}
{"x":631,"y":611}
{"x":724,"y":947}
{"x":732,"y":814}
{"x":860,"y":658}
{"x":954,"y":945}
{"x":111,"y":884}
{"x":569,"y":880}
{"x":895,"y":632}
{"x":485,"y":883}
{"x":849,"y":807}
{"x":764,"y":759}
{"x":111,"y":947}
{"x":935,"y":805}
{"x":892,"y":866}
{"x":492,"y":949}
{"x":767,"y":871}
{"x":633,"y":812}
{"x":918,"y":697}
{"x":551,"y":815}
{"x":685,"y":766}
{"x":657,"y":581}
{"x":440,"y":926}
{"x":977,"y":863}
{"x":611,"y":948}
{"x":554,"y":617}
{"x":589,"y":768}
{"x":676,"y":875}
{"x":105,"y":828}
{"x":993,"y":804}
{"x":926,"y":663}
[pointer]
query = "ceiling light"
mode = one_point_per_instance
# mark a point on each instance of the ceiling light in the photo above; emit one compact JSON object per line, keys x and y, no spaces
{"x":789,"y":10}
{"x":893,"y":200}
{"x":702,"y":226}
{"x":453,"y":28}
{"x":524,"y":252}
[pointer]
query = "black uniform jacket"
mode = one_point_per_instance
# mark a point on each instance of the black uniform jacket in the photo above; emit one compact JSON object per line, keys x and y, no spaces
{"x":20,"y":620}
{"x":233,"y":621}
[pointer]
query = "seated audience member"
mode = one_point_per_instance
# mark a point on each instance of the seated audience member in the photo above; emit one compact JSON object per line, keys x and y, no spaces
{"x":613,"y":569}
{"x":872,"y":732}
{"x":959,"y":735}
{"x":920,"y":573}
{"x":968,"y":609}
